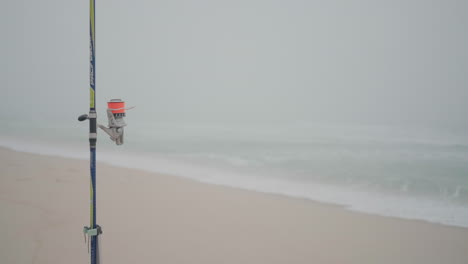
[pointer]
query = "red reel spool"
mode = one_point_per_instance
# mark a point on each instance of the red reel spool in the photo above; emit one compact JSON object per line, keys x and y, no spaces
{"x":117,"y":106}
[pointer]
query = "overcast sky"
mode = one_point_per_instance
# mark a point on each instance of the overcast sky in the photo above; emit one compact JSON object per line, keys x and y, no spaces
{"x":357,"y":62}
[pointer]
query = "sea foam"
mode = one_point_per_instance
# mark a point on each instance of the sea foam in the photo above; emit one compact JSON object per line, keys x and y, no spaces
{"x":356,"y":199}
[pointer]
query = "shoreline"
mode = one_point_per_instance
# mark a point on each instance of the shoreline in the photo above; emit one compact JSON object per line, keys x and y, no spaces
{"x":407,"y":208}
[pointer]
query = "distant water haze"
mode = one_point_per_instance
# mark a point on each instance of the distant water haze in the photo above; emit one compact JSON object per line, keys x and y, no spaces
{"x":362,"y":103}
{"x":397,"y":63}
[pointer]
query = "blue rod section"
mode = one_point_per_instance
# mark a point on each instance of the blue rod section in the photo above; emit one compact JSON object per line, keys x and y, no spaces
{"x":94,"y":239}
{"x":93,"y":129}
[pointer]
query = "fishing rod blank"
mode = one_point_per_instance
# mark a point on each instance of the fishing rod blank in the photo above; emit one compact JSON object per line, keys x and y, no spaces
{"x":115,"y":114}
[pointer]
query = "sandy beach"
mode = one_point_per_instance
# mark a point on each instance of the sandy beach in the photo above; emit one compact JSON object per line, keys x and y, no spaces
{"x":154,"y":218}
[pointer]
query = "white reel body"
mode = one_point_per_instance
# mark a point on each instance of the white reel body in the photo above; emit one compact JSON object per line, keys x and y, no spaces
{"x":116,"y":123}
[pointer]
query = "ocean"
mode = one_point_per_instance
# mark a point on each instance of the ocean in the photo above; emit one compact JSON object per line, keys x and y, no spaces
{"x":416,"y":173}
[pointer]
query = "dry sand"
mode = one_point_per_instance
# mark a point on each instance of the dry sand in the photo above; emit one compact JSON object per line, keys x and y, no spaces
{"x":154,"y":218}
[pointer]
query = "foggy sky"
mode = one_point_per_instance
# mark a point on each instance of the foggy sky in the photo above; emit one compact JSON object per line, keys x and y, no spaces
{"x":364,"y":62}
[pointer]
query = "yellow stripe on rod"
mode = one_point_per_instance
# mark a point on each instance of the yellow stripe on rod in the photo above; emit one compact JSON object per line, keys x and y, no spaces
{"x":91,"y":15}
{"x":91,"y":97}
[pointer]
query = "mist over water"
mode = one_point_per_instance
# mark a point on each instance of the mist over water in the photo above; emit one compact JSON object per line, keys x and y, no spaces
{"x":409,"y":177}
{"x":361,"y":103}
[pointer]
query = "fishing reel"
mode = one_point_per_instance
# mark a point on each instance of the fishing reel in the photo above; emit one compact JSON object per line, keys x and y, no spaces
{"x":116,"y":123}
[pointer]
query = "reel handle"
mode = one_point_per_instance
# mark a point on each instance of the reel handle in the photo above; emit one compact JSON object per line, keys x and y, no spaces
{"x":83,"y":117}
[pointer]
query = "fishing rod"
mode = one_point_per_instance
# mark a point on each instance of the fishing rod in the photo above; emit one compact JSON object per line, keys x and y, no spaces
{"x":115,"y":115}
